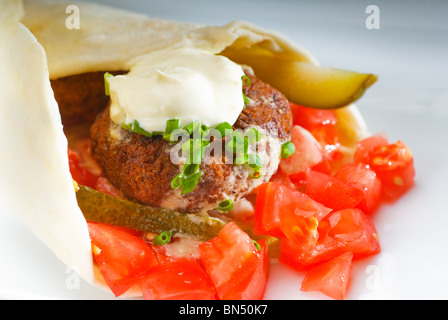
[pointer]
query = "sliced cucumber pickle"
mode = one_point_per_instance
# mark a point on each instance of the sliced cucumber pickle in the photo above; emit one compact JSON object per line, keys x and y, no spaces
{"x":101,"y":207}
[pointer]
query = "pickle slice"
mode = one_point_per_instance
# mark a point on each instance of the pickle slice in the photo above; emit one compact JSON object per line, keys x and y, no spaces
{"x":302,"y":82}
{"x":101,"y":207}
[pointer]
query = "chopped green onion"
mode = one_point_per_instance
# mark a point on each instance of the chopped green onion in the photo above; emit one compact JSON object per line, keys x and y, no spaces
{"x":187,"y":146}
{"x":187,"y":179}
{"x":194,"y":128}
{"x":254,"y":135}
{"x":238,"y":144}
{"x":204,"y":128}
{"x":246,"y":80}
{"x":195,"y":150}
{"x":163,"y":238}
{"x":178,"y":133}
{"x":257,"y":245}
{"x":189,"y":169}
{"x":222,"y":127}
{"x":288,"y":149}
{"x":225,"y":206}
{"x":254,"y":161}
{"x":171,"y":125}
{"x":107,"y":75}
{"x":126,"y":126}
{"x":135,"y":127}
{"x":242,"y":147}
{"x":255,"y":173}
{"x":241,"y":159}
{"x":246,"y":100}
{"x":177,"y":182}
{"x":190,"y":182}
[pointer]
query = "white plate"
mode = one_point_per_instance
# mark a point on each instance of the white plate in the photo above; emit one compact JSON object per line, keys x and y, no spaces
{"x":410,"y":102}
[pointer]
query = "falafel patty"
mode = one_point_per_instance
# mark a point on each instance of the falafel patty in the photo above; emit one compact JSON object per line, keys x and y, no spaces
{"x":142,"y":169}
{"x":80,"y":97}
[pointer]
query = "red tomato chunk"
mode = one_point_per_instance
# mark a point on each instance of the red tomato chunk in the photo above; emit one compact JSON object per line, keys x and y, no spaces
{"x":321,"y":123}
{"x":79,"y":173}
{"x":343,"y":231}
{"x":332,"y":192}
{"x":182,"y":279}
{"x":278,"y":209}
{"x":331,"y":278}
{"x":393,"y":163}
{"x":122,"y":257}
{"x":238,"y":270}
{"x":360,"y":176}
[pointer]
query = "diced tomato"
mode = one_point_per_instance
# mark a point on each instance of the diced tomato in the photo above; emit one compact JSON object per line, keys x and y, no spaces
{"x":299,"y":180}
{"x":307,"y":154}
{"x":122,"y":258}
{"x":331,"y":277}
{"x":299,"y":228}
{"x":321,"y":123}
{"x":181,"y":279}
{"x":393,"y":163}
{"x":348,"y":230}
{"x":365,"y":147}
{"x":362,"y":177}
{"x":234,"y":264}
{"x":257,"y":284}
{"x":79,"y":173}
{"x":276,"y":202}
{"x":332,"y":192}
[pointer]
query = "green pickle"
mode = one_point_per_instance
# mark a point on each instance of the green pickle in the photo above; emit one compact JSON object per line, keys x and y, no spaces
{"x":101,"y":207}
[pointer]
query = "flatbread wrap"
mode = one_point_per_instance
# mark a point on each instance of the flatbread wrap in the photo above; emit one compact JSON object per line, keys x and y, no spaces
{"x":41,"y":59}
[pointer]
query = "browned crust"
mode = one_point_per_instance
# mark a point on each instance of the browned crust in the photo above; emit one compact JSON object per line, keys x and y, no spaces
{"x":80,"y":97}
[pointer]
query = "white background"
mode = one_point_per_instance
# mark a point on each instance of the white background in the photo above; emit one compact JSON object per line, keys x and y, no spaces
{"x":409,"y":102}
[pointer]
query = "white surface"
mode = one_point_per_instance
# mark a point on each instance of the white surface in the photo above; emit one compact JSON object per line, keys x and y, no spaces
{"x":410,"y":102}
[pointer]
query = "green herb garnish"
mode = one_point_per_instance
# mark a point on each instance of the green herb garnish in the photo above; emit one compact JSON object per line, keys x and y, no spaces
{"x":223,"y":127}
{"x":163,"y":238}
{"x":257,"y":245}
{"x":190,"y":182}
{"x":288,"y":148}
{"x":254,"y":135}
{"x":193,"y":150}
{"x":246,"y":81}
{"x":190,"y":175}
{"x":177,"y":182}
{"x":135,"y":127}
{"x":195,"y":129}
{"x":254,"y":161}
{"x":225,"y":206}
{"x":171,"y":125}
{"x":107,"y":75}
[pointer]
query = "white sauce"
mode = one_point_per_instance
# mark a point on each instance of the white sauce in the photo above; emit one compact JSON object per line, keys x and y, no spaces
{"x":182,"y":83}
